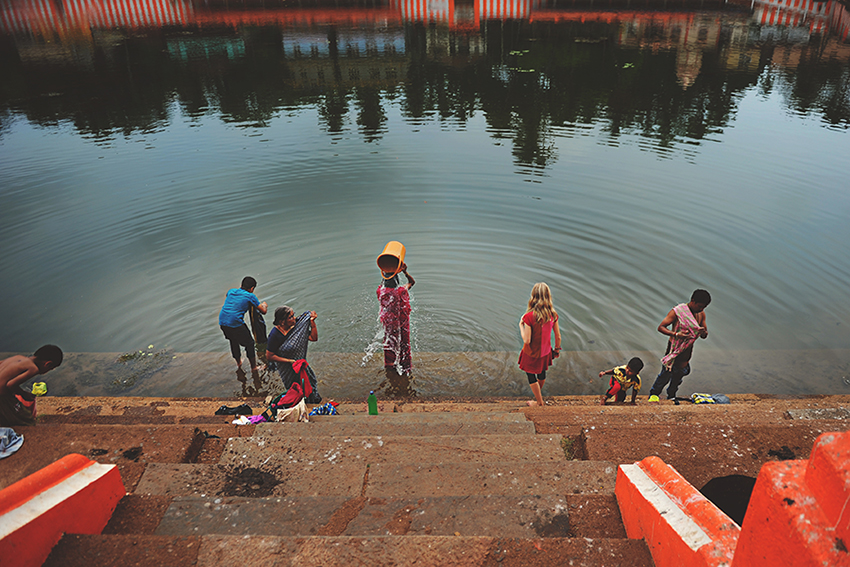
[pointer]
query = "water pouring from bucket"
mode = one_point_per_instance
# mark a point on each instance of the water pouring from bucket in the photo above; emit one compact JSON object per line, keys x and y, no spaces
{"x":394,"y":302}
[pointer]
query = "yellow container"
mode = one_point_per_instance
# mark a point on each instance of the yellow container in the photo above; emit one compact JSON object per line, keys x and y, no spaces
{"x":391,"y":259}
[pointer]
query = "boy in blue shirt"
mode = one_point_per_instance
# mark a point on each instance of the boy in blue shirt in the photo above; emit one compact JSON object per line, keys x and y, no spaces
{"x":232,"y":320}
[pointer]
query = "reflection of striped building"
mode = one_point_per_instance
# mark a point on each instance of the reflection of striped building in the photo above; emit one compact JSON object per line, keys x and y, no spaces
{"x":505,"y":9}
{"x":793,"y":13}
{"x":840,"y":20}
{"x":427,"y":10}
{"x":444,"y":10}
{"x":41,"y":16}
{"x":66,"y":17}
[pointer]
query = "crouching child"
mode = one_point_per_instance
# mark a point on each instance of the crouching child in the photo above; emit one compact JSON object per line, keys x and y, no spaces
{"x":623,"y":378}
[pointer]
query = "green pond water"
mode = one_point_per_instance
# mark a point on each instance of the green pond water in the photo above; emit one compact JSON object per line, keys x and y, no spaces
{"x":624,"y":154}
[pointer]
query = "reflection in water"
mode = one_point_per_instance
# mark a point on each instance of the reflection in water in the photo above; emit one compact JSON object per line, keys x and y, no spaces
{"x":535,"y":71}
{"x":396,"y":385}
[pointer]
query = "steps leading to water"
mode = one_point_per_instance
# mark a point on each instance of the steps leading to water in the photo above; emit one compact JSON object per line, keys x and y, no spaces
{"x":438,"y":488}
{"x":444,"y":551}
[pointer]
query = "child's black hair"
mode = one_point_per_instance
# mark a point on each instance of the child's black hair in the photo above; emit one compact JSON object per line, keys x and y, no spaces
{"x":701,"y":296}
{"x":391,"y":282}
{"x":248,"y":283}
{"x":635,"y":364}
{"x":49,"y":353}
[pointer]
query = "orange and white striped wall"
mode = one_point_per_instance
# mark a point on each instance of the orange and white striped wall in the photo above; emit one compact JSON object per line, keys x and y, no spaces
{"x":73,"y":495}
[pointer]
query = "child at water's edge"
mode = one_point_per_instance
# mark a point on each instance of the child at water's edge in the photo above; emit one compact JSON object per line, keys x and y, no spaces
{"x":623,"y":378}
{"x":17,"y":406}
{"x":536,"y":328}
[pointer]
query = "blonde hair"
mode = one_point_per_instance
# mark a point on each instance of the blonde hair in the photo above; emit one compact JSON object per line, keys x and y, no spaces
{"x":541,"y":303}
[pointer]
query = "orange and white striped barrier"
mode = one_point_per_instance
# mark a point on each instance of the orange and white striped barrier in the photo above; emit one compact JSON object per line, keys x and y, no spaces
{"x":679,"y":524}
{"x":799,"y":511}
{"x":74,"y":495}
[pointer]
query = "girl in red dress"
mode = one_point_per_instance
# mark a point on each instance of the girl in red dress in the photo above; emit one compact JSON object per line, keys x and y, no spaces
{"x":536,"y":328}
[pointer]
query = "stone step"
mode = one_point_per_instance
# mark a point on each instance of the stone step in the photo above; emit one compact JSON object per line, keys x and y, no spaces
{"x":277,"y":450}
{"x":449,"y":551}
{"x":367,"y":426}
{"x":496,"y":516}
{"x":426,"y":417}
{"x":54,"y":420}
{"x":379,"y":480}
{"x":503,"y":478}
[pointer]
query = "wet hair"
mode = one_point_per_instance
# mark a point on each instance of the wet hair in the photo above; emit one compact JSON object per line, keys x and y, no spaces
{"x":635,"y":364}
{"x":49,"y":353}
{"x":248,"y":283}
{"x":701,"y":296}
{"x":391,"y":282}
{"x":541,"y":303}
{"x":281,"y":314}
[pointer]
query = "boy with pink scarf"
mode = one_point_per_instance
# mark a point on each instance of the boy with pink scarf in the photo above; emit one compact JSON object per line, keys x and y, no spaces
{"x":688,"y":321}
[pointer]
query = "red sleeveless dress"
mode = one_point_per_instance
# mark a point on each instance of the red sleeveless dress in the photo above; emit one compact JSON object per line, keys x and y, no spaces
{"x":538,"y":356}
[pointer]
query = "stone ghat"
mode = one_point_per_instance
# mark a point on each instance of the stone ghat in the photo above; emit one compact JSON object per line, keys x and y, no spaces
{"x":442,"y":482}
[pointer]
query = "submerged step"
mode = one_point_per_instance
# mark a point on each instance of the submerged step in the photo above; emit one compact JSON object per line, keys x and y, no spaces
{"x":281,"y":450}
{"x":333,"y":426}
{"x":448,"y":551}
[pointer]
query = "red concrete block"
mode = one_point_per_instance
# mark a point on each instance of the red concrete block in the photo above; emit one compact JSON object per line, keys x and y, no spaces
{"x":680,"y":526}
{"x":73,"y":495}
{"x":798,"y":511}
{"x":828,"y":477}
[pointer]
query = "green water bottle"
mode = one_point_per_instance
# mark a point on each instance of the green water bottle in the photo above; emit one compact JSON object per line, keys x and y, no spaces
{"x":373,"y":403}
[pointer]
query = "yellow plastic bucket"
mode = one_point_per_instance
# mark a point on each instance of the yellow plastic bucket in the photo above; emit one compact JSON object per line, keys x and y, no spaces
{"x":391,"y":259}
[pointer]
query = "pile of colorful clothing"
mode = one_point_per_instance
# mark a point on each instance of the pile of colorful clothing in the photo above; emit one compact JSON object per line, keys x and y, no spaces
{"x":325,"y":409}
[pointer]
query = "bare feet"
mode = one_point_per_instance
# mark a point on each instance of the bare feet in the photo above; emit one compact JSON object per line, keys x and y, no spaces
{"x":602,"y":400}
{"x":531,"y":403}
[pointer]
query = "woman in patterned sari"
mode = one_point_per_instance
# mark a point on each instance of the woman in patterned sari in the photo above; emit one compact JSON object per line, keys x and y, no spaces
{"x":287,"y":345}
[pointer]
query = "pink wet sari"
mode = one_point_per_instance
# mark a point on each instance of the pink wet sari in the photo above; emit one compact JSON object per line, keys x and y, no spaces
{"x":395,"y":316}
{"x":685,"y":323}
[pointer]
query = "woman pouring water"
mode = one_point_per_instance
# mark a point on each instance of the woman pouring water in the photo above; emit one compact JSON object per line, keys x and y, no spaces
{"x":287,"y":347}
{"x":395,"y":307}
{"x":395,"y":317}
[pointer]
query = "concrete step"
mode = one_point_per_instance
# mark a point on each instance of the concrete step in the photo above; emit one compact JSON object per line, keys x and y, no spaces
{"x":450,"y":551}
{"x":301,"y":479}
{"x":277,"y":450}
{"x":371,"y":426}
{"x":426,"y":417}
{"x":130,"y":447}
{"x":503,"y":478}
{"x":53,"y":420}
{"x":379,"y":480}
{"x":495,"y":516}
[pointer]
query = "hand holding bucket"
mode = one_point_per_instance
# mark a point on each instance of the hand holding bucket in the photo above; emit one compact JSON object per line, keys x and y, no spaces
{"x":391,"y":260}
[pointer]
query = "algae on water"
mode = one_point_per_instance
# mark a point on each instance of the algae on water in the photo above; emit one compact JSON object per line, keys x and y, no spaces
{"x":133,"y":366}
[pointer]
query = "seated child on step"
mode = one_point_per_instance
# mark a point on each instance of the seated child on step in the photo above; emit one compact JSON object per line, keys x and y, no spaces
{"x":623,"y":378}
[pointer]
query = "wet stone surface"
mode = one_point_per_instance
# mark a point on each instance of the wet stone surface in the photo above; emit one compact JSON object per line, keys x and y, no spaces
{"x":250,"y":482}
